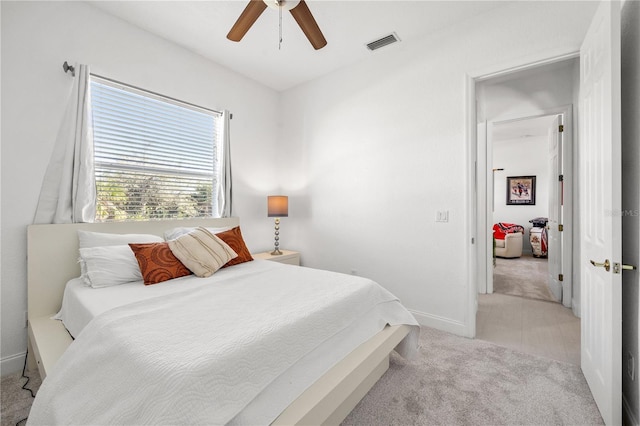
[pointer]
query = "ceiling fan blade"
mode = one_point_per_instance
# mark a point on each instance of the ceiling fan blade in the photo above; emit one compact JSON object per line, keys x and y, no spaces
{"x":308,"y":24}
{"x":247,"y":18}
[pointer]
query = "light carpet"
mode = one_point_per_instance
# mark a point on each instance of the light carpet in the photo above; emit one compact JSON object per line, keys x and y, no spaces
{"x":459,"y":381}
{"x":16,"y":402}
{"x":524,"y":276}
{"x":453,"y":381}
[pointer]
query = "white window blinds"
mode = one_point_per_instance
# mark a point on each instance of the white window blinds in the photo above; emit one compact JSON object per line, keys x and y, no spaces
{"x":155,"y":157}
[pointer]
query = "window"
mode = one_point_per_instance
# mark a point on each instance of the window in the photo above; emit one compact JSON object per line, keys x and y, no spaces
{"x":155,"y":157}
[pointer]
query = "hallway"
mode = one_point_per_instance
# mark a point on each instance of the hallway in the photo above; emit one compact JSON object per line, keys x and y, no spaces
{"x":526,"y":276}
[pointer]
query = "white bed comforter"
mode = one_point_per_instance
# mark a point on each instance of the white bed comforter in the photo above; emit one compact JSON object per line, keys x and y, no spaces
{"x":201,"y":356}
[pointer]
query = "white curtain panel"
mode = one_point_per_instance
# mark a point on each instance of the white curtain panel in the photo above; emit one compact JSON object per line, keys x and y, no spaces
{"x":224,"y":177}
{"x":68,"y":193}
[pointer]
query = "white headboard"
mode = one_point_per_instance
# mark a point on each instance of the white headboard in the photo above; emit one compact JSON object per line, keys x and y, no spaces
{"x":52,"y":255}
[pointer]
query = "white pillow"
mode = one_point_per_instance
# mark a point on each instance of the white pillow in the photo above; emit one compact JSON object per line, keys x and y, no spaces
{"x":109,"y":265}
{"x":100,"y":239}
{"x":88,"y":239}
{"x":174,"y":233}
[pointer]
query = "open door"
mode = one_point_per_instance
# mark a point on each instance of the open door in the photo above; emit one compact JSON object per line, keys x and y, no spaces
{"x":600,"y":202}
{"x":484,"y":203}
{"x":554,"y":225}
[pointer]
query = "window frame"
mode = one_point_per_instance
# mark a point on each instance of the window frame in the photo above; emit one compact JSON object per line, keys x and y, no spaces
{"x":217,"y":151}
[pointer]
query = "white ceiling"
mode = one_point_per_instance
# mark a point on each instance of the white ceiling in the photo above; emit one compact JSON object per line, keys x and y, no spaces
{"x":202,"y":26}
{"x":525,"y":128}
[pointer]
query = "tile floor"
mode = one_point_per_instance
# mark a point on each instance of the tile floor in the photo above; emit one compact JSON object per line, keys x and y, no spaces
{"x":537,"y":327}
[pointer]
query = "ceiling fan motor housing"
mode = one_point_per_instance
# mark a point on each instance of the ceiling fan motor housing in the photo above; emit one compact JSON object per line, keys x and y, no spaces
{"x":284,"y":4}
{"x":299,"y":10}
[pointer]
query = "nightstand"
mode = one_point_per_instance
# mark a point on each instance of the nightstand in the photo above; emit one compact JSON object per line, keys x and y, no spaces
{"x":289,"y":257}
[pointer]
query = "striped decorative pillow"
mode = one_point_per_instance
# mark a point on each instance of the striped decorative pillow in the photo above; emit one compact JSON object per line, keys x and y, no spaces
{"x":201,"y":251}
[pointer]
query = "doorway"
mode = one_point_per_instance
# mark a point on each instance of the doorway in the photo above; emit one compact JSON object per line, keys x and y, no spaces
{"x":518,"y":110}
{"x":527,"y":206}
{"x":527,"y":120}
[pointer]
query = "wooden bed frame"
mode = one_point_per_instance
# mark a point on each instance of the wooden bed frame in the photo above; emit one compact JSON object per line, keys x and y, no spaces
{"x":53,"y":260}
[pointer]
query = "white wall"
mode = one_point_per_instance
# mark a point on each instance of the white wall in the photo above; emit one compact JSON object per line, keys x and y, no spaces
{"x":37,"y":37}
{"x":375,"y":149}
{"x":631,"y":205}
{"x":521,"y":157}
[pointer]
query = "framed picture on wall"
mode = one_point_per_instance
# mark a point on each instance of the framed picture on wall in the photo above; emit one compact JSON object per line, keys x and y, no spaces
{"x":521,"y":190}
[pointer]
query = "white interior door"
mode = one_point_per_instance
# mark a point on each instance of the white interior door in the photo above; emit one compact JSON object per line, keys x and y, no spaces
{"x":555,"y":209}
{"x":600,"y":202}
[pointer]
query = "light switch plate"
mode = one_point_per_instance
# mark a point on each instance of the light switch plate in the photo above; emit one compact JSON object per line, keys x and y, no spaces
{"x":442,"y":216}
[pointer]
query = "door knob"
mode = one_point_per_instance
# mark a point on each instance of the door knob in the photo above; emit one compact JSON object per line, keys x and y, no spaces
{"x":606,"y":265}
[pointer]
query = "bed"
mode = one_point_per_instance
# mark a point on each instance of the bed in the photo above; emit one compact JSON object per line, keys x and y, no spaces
{"x":306,"y":386}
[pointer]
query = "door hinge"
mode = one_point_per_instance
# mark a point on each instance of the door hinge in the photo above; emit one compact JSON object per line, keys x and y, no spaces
{"x":560,"y":227}
{"x":560,"y":277}
{"x":561,"y":178}
{"x":561,"y":128}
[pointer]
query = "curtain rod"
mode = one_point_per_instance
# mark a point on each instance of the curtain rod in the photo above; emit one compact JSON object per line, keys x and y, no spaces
{"x":66,"y":67}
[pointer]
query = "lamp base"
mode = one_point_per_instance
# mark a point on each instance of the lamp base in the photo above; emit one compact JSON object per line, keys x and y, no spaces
{"x":276,"y":250}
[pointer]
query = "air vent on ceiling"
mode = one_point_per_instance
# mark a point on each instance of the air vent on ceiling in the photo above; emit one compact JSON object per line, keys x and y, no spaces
{"x":384,"y":41}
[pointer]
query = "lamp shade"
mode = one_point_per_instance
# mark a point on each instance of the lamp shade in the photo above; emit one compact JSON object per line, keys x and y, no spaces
{"x":278,"y":206}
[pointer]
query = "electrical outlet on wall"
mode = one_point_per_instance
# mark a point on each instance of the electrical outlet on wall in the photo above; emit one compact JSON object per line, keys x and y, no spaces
{"x":631,"y":366}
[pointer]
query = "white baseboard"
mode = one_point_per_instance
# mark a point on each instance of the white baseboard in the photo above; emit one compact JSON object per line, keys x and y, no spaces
{"x":440,"y":323}
{"x":576,"y":307}
{"x":12,"y":364}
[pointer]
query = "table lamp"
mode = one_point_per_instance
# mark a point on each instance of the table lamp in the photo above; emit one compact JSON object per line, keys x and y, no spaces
{"x":277,"y":206}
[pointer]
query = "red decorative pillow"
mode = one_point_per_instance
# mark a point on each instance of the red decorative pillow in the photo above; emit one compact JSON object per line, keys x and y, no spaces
{"x":233,"y":237}
{"x":157,"y":262}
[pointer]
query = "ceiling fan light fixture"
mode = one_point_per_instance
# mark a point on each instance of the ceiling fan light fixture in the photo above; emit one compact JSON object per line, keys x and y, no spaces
{"x":298,"y":9}
{"x":282,"y":4}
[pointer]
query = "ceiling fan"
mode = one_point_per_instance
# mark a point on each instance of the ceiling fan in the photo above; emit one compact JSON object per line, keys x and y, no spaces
{"x":299,"y":10}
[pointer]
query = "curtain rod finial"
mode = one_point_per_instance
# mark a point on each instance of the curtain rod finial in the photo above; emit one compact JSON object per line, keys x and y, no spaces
{"x":66,"y":67}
